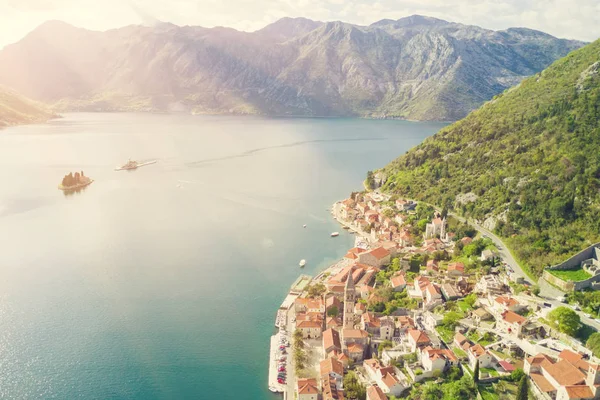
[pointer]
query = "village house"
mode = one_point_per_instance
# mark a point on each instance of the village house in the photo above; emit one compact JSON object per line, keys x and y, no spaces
{"x":331,"y":341}
{"x":456,"y":269}
{"x":418,"y":289}
{"x":334,"y":369}
{"x":306,"y":389}
{"x":405,"y":205}
{"x":353,"y":253}
{"x":404,"y":324}
{"x":433,"y":266}
{"x":431,"y":320}
{"x":466,"y":240}
{"x":333,"y":303}
{"x":370,"y":323}
{"x":511,"y":323}
{"x":354,"y":343}
{"x":333,"y":322}
{"x":569,"y":377}
{"x":432,"y":294}
{"x":490,"y":285}
{"x":329,"y":389}
{"x":385,"y":377}
{"x":387,"y":328}
{"x":374,"y":392}
{"x":487,"y":254}
{"x":437,"y":228}
{"x":417,"y":340}
{"x":437,"y":360}
{"x":377,"y":257}
{"x":362,"y":208}
{"x":450,"y":292}
{"x":504,"y":303}
{"x":480,"y":315}
{"x":398,"y":282}
{"x":477,"y":353}
{"x":308,"y":305}
{"x":461,"y":341}
{"x":311,"y":329}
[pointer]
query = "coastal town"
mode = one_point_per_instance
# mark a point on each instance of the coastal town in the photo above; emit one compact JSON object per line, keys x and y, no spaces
{"x":424,"y":304}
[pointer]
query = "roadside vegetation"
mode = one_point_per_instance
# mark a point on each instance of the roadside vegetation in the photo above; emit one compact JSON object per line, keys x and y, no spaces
{"x":528,"y":157}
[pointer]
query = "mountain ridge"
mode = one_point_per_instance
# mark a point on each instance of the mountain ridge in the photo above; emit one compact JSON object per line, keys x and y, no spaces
{"x":17,"y":110}
{"x":525,"y":164}
{"x":416,"y":67}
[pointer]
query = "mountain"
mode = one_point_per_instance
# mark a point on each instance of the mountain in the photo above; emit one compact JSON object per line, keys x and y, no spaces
{"x":417,"y":67}
{"x":17,"y":110}
{"x":526,"y":163}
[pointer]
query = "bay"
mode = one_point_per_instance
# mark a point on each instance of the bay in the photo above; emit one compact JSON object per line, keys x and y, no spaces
{"x":163,"y":283}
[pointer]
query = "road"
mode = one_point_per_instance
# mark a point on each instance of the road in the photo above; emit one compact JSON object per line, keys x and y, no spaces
{"x":546,"y":290}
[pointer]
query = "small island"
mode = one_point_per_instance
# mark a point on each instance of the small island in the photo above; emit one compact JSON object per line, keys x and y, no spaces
{"x":74,"y":181}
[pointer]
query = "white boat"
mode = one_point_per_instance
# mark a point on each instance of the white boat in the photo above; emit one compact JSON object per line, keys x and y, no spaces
{"x":334,"y":234}
{"x":302,"y":263}
{"x":133,"y":165}
{"x":304,"y":226}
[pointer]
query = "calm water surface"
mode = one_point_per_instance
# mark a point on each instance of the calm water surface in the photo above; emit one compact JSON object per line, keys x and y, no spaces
{"x":162,"y":283}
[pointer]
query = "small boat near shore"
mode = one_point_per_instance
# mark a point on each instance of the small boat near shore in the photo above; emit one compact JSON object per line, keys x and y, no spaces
{"x":132,"y":164}
{"x":302,"y":263}
{"x":334,"y":234}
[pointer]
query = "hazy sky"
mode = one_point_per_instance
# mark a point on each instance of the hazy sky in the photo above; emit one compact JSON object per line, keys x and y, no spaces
{"x":577,"y":19}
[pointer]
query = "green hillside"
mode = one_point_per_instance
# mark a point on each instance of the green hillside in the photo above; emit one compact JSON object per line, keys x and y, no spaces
{"x":529,"y":158}
{"x":17,"y":110}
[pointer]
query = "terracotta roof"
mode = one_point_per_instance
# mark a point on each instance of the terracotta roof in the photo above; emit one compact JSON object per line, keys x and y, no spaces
{"x":389,"y":380}
{"x":508,"y":367}
{"x":330,"y":391}
{"x":332,"y":301}
{"x":537,"y":359}
{"x":360,"y":307}
{"x":579,"y":392}
{"x":370,"y":320}
{"x":330,"y":365}
{"x":570,"y":356}
{"x":398,"y":280}
{"x":441,"y":353}
{"x":460,"y":338}
{"x":351,"y":256}
{"x":331,"y":338}
{"x":418,"y":336}
{"x":481,"y":312}
{"x":309,"y":324}
{"x":512,"y":317}
{"x":460,"y":267}
{"x":333,"y":321}
{"x":477,"y":350}
{"x":355,"y":348}
{"x":354,"y":334}
{"x":564,"y":373}
{"x":506,"y":301}
{"x":542,"y":383}
{"x":432,"y":289}
{"x":405,"y":321}
{"x":375,"y":393}
{"x":307,"y":386}
{"x":379,"y":253}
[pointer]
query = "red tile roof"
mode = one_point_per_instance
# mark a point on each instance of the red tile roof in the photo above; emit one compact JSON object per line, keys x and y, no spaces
{"x":542,"y":383}
{"x":579,"y":392}
{"x":564,"y":373}
{"x":379,"y":253}
{"x":418,"y":336}
{"x":330,"y":365}
{"x":375,"y":393}
{"x":307,"y":386}
{"x":397,"y":281}
{"x":506,"y":301}
{"x":331,"y":339}
{"x":513,"y":318}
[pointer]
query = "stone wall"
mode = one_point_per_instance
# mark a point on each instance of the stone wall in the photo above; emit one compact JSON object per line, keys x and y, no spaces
{"x":571,"y":286}
{"x":572,"y":264}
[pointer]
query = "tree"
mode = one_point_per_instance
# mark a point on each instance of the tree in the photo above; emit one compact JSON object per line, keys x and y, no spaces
{"x":593,"y":343}
{"x":353,"y":389}
{"x":535,"y":290}
{"x":333,"y":311}
{"x":565,"y":320}
{"x":476,"y":372}
{"x":522,"y":390}
{"x":501,"y":386}
{"x":470,"y":300}
{"x":317,"y":290}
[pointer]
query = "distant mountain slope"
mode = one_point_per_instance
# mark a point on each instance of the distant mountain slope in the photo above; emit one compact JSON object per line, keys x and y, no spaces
{"x":17,"y":110}
{"x":527,"y":162}
{"x":417,"y":67}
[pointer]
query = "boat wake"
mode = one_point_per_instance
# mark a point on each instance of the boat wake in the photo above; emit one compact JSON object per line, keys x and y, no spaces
{"x":280,"y":146}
